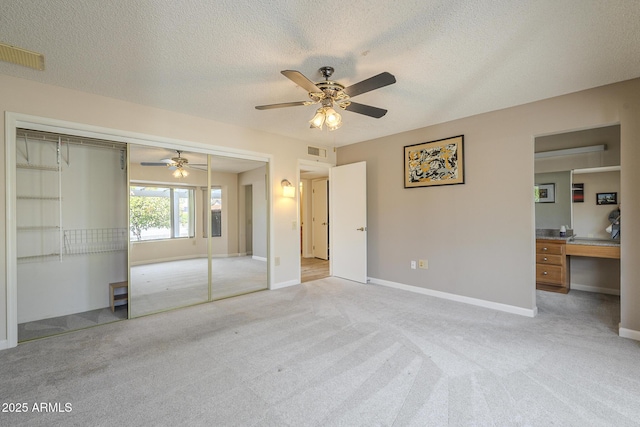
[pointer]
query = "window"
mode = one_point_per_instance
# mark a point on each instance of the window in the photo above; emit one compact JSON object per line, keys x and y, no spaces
{"x":161,"y":212}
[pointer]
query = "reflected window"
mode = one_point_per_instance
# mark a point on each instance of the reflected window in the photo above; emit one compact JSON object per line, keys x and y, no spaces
{"x":161,"y":213}
{"x":216,"y":211}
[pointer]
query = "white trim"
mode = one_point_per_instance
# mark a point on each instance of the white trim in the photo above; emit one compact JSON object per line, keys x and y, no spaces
{"x":629,"y":333}
{"x":597,"y":170}
{"x":458,"y":298}
{"x":4,"y":344}
{"x":570,"y":151}
{"x":11,"y":248}
{"x":19,"y":120}
{"x":310,"y":165}
{"x":284,"y":284}
{"x":597,"y":289}
{"x":259,"y":258}
{"x":46,"y":124}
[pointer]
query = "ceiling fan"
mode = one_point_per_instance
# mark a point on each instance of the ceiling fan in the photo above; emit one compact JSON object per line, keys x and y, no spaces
{"x":177,"y":164}
{"x":330,"y":93}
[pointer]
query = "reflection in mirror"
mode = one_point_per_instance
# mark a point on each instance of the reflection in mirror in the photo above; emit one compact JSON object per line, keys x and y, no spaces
{"x":570,"y":151}
{"x":238,"y":218}
{"x":591,"y":218}
{"x":167,"y":257}
{"x":554,"y":212}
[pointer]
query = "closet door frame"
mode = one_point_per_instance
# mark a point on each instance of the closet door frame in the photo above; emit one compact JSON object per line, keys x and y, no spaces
{"x":13,"y":121}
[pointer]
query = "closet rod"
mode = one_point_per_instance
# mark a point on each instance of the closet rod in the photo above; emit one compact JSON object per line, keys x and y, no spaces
{"x":70,"y":139}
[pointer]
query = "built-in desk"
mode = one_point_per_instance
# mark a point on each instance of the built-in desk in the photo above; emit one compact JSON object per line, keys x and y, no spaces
{"x":593,"y":248}
{"x":553,"y":258}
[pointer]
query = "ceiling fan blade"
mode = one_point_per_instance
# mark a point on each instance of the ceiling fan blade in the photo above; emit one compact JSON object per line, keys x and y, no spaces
{"x":367,"y":110}
{"x":153,"y":164}
{"x":282,"y":105}
{"x":372,"y":83}
{"x":298,"y":78}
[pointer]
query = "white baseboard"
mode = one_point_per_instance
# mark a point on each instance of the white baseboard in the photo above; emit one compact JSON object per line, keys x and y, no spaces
{"x":597,"y":289}
{"x":4,"y":344}
{"x":186,"y":257}
{"x":459,"y":298}
{"x":284,"y":284}
{"x":259,"y":258}
{"x":169,"y":259}
{"x":629,"y":333}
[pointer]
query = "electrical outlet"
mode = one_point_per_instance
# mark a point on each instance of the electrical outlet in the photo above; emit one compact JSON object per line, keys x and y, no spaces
{"x":413,"y":265}
{"x":277,"y":261}
{"x":424,"y":264}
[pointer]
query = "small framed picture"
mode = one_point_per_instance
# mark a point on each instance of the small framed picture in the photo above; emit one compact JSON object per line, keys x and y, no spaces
{"x":578,"y":193}
{"x":544,"y":193}
{"x":606,"y":198}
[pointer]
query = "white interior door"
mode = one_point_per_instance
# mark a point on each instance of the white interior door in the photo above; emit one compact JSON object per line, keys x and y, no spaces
{"x":320,"y":218}
{"x":349,"y":221}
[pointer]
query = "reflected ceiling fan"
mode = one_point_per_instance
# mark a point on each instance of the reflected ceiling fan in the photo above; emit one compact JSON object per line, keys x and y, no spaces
{"x":330,"y":94}
{"x":177,"y":164}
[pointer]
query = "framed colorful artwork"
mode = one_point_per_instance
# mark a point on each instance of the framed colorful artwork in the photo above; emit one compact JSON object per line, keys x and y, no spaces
{"x":434,"y":163}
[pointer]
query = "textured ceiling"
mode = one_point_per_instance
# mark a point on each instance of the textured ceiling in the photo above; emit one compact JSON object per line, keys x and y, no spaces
{"x":218,"y":59}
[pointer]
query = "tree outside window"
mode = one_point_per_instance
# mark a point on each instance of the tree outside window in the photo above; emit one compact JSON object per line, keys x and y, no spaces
{"x":161,"y":212}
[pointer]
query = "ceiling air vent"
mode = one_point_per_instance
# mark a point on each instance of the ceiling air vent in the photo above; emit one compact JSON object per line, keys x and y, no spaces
{"x":315,"y":151}
{"x":22,"y":57}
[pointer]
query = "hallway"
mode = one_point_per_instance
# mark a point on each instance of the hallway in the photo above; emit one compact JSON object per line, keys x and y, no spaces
{"x":314,"y":268}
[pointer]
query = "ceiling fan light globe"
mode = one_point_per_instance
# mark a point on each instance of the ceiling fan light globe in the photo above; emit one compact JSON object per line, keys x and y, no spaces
{"x":180,"y":173}
{"x":333,"y":119}
{"x":318,"y":120}
{"x":334,"y":127}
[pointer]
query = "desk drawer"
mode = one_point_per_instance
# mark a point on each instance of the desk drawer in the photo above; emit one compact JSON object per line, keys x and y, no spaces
{"x":549,"y":259}
{"x":549,"y":274}
{"x":550,"y":248}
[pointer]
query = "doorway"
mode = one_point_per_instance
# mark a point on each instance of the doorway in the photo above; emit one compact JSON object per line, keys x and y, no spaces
{"x":577,"y":166}
{"x":314,"y":222}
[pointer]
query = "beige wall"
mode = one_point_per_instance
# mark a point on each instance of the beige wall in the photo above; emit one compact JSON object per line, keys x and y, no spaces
{"x":51,"y":102}
{"x":479,"y":237}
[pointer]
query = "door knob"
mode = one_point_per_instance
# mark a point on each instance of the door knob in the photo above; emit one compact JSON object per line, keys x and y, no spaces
{"x":361,"y":229}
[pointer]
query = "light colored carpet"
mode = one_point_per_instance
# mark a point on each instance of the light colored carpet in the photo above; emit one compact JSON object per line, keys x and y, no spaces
{"x":337,"y":353}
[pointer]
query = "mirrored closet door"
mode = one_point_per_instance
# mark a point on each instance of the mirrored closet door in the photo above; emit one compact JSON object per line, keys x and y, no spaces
{"x":238,"y":226}
{"x":168,"y":253}
{"x":198,"y":228}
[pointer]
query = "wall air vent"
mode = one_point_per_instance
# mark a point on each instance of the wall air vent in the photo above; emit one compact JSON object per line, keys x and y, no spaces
{"x":315,"y":151}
